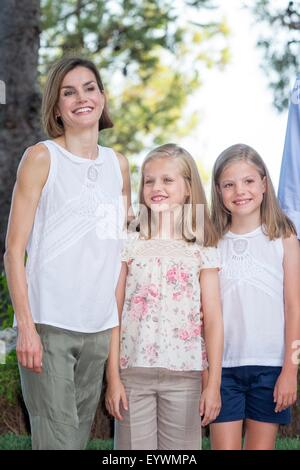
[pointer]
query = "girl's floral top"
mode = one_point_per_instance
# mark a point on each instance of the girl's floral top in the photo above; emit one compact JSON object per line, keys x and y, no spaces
{"x":161,"y":325}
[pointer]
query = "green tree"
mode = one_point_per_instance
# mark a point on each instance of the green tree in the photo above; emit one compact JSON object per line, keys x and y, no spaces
{"x":19,"y":115}
{"x":280,"y":41}
{"x":151,"y":54}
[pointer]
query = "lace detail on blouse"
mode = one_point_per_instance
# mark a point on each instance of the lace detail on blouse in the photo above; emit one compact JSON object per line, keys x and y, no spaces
{"x":241,"y":264}
{"x":92,"y":210}
{"x":169,"y":248}
{"x":252,"y":291}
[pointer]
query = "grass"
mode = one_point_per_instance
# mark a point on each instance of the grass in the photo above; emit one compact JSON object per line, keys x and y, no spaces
{"x":14,"y":442}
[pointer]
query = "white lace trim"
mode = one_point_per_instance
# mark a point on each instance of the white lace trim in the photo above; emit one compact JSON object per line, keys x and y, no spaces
{"x":241,"y":267}
{"x":170,"y":248}
{"x":92,"y":210}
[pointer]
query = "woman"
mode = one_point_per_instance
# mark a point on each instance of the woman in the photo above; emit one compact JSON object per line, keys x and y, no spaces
{"x":67,"y":215}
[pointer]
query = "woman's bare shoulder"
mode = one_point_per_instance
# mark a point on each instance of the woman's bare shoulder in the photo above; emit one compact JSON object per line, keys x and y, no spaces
{"x":123,"y":161}
{"x":35,"y":163}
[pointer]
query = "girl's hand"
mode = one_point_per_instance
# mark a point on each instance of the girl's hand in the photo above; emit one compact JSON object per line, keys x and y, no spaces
{"x":115,"y":394}
{"x":210,"y":404}
{"x":285,"y":391}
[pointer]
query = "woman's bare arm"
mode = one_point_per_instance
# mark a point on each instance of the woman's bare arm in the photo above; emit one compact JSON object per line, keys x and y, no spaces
{"x":115,"y":393}
{"x":31,"y":177}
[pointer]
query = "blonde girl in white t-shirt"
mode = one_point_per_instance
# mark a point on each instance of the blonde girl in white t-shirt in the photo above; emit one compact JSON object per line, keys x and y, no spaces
{"x":259,"y":281}
{"x":169,"y":272}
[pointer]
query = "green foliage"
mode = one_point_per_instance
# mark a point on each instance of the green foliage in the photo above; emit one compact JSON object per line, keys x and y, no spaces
{"x":144,"y":50}
{"x":10,"y":387}
{"x":6,"y":309}
{"x":13,"y":442}
{"x":280,"y":41}
{"x":98,"y":444}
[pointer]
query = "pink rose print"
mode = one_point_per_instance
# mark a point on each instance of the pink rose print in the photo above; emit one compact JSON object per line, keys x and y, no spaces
{"x":184,"y":335}
{"x":204,"y":355}
{"x":183,"y":276}
{"x":191,"y":332}
{"x":179,"y":278}
{"x":196,"y":330}
{"x":139,"y":307}
{"x":141,"y":301}
{"x":151,"y":351}
{"x":123,"y":362}
{"x":172,"y":275}
{"x":177,"y":295}
{"x":152,"y":289}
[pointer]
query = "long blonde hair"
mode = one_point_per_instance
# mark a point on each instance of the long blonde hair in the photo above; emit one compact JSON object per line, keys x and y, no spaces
{"x":191,"y":232}
{"x":274,"y":222}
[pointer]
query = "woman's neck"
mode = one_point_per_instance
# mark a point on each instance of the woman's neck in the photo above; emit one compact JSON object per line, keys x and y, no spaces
{"x":83,"y":143}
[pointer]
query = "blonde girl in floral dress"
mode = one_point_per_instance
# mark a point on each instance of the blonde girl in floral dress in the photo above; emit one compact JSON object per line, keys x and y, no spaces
{"x":169,"y":273}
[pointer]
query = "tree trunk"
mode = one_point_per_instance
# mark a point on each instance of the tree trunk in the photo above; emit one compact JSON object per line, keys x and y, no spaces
{"x":20,"y":114}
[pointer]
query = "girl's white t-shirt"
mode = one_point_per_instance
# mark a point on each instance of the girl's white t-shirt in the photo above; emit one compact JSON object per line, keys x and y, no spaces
{"x":74,"y":248}
{"x":251,"y":281}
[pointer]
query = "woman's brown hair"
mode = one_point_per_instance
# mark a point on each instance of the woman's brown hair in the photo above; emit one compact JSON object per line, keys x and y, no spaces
{"x":52,"y":124}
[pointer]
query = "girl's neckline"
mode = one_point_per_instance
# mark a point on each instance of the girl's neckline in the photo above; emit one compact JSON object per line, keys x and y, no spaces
{"x":166,"y":240}
{"x":77,"y":158}
{"x":252,"y":233}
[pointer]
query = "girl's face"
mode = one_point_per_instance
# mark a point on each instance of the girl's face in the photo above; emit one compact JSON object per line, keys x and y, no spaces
{"x":80,"y":102}
{"x":242,"y":188}
{"x":164,"y":186}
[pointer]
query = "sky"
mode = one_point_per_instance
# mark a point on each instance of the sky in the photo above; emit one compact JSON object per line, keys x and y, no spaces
{"x":235,"y":105}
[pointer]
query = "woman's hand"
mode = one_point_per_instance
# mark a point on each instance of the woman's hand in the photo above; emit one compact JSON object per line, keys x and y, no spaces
{"x":29,"y":349}
{"x":115,"y":395}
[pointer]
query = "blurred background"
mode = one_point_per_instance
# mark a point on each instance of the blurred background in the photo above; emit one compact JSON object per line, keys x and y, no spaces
{"x":202,"y":73}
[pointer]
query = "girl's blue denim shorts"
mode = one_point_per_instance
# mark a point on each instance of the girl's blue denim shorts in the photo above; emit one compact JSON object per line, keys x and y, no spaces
{"x":247,"y":393}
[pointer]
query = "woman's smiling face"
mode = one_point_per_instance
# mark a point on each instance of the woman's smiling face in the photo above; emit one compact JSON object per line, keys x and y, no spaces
{"x":80,"y":102}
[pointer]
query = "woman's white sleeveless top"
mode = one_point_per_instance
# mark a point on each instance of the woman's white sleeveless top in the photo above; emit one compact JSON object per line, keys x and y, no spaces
{"x":74,"y":249}
{"x":251,"y":280}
